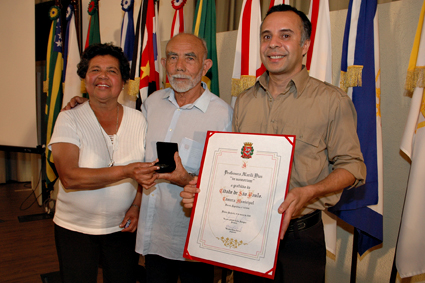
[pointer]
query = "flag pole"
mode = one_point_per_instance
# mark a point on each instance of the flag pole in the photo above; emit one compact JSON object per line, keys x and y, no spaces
{"x":353,"y":274}
{"x":394,"y":268}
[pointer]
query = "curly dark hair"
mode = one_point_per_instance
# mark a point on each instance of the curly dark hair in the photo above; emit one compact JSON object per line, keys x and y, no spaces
{"x":306,"y":24}
{"x":104,"y":49}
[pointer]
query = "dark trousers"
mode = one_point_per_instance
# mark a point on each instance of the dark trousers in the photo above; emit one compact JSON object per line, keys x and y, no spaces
{"x":162,"y":270}
{"x":80,"y":255}
{"x":301,"y":258}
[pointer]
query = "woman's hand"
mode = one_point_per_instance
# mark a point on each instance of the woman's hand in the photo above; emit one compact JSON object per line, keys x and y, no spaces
{"x":144,"y":173}
{"x":132,"y":216}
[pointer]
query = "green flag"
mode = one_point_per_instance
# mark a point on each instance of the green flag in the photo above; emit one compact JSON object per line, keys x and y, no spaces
{"x":204,"y":26}
{"x":53,"y":88}
{"x":93,"y":34}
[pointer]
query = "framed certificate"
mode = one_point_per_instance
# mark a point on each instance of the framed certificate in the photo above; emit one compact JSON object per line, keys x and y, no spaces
{"x":243,"y":180}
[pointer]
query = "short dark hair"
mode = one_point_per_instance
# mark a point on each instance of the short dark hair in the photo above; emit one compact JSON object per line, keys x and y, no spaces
{"x":306,"y":24}
{"x":104,"y":49}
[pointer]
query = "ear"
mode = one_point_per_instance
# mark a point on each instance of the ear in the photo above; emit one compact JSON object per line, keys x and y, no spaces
{"x":207,"y":65}
{"x":163,"y":60}
{"x":306,"y":46}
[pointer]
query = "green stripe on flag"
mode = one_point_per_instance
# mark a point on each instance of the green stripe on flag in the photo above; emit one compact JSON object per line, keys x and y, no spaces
{"x":204,"y":26}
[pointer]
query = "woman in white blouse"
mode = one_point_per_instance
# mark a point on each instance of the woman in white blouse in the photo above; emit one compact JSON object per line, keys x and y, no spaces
{"x":97,"y":149}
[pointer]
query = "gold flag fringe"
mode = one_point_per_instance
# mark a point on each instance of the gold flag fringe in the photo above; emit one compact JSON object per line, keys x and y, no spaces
{"x":239,"y":85}
{"x":46,"y":86}
{"x":83,"y":86}
{"x":351,"y":78}
{"x":133,"y":87}
{"x":414,"y":78}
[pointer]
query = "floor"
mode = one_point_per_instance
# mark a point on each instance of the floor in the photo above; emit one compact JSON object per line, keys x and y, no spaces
{"x":27,"y":249}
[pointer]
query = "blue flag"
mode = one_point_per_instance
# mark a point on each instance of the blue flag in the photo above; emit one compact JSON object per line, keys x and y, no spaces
{"x":362,"y":207}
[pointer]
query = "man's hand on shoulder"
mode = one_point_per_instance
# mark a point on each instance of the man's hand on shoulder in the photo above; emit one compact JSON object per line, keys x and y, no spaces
{"x":74,"y":102}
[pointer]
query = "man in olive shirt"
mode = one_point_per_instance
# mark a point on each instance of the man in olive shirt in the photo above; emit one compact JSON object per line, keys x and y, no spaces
{"x":327,"y":158}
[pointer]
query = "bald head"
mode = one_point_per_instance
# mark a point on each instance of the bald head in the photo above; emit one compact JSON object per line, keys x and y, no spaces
{"x":186,"y":62}
{"x":188,"y":37}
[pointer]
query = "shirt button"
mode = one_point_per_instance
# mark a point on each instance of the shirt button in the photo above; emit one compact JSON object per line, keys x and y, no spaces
{"x":170,"y":130}
{"x":152,"y":194}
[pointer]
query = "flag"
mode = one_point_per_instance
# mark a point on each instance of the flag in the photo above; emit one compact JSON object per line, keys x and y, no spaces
{"x":204,"y":26}
{"x":93,"y":33}
{"x":71,"y":58}
{"x":410,"y":250}
{"x":362,"y":207}
{"x":177,"y":25}
{"x":53,"y":87}
{"x":178,"y":20}
{"x":247,"y":64}
{"x":158,"y":65}
{"x":278,"y":2}
{"x":144,"y":77}
{"x":319,"y":56}
{"x":127,"y":45}
{"x":127,"y":29}
{"x":319,"y":65}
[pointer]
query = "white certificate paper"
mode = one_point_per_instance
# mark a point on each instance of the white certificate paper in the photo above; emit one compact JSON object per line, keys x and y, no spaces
{"x":243,"y":180}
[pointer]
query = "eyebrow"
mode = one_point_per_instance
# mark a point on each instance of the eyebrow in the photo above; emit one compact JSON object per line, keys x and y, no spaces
{"x":282,"y":30}
{"x":190,"y":54}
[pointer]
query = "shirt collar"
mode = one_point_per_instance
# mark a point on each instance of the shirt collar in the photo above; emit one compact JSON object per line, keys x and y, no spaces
{"x":201,"y":103}
{"x":299,"y":81}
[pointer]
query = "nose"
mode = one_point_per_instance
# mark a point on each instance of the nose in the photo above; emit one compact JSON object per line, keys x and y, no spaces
{"x":181,"y":65}
{"x":102,"y":74}
{"x":274,"y":42}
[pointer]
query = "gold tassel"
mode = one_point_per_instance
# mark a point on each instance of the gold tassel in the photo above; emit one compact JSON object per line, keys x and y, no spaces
{"x":46,"y":86}
{"x":351,"y":78}
{"x":83,"y":86}
{"x":239,"y":85}
{"x":133,"y":87}
{"x":414,"y":78}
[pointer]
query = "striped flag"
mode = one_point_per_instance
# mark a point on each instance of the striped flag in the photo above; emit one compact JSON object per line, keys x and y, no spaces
{"x":319,"y":65}
{"x":247,"y":64}
{"x":178,"y":20}
{"x":127,"y":45}
{"x":93,"y":33}
{"x":144,"y":77}
{"x":204,"y":26}
{"x":410,"y":258}
{"x":362,"y":207}
{"x":278,"y":2}
{"x":53,"y":87}
{"x":177,"y":25}
{"x":127,"y":29}
{"x":71,"y":58}
{"x":319,"y":56}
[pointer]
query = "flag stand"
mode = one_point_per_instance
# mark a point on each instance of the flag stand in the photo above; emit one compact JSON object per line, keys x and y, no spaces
{"x":354,"y":257}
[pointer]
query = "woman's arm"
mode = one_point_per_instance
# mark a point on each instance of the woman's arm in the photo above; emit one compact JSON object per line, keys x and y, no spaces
{"x":66,"y":157}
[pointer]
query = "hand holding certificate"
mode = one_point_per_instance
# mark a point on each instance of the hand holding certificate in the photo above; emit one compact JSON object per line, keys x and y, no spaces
{"x":235,"y":222}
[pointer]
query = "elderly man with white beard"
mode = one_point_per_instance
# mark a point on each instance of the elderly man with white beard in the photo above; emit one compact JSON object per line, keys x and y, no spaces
{"x":182,"y":114}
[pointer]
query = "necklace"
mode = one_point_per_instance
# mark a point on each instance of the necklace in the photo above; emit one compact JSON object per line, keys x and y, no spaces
{"x":110,"y":155}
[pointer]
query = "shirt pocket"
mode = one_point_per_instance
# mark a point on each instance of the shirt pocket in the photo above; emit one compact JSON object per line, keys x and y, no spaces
{"x":304,"y":135}
{"x":190,"y":152}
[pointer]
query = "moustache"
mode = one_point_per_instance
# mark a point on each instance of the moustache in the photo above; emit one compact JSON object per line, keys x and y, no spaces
{"x":180,"y":76}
